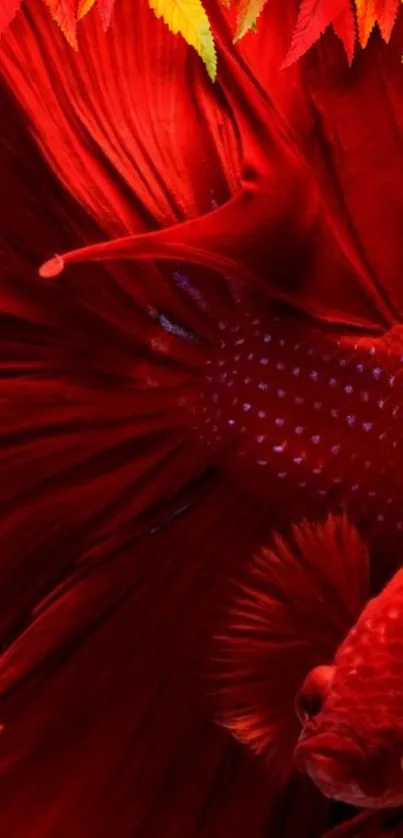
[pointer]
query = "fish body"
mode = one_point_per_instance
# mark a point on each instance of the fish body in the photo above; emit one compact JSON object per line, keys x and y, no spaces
{"x":308,"y":417}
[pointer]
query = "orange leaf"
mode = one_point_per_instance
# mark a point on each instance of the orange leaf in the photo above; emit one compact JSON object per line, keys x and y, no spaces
{"x":366,"y":19}
{"x":64,"y":12}
{"x":370,"y":12}
{"x":248,"y":12}
{"x":84,"y":7}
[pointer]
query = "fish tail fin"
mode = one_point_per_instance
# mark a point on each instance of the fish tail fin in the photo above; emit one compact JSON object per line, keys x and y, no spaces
{"x":117,"y":542}
{"x":164,"y":344}
{"x":288,"y":613}
{"x":99,"y":381}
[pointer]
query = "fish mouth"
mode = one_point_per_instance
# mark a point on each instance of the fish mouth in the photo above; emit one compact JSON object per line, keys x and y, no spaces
{"x":337,"y":766}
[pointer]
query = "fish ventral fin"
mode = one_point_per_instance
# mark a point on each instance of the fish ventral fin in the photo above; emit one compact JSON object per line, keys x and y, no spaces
{"x":293,"y":606}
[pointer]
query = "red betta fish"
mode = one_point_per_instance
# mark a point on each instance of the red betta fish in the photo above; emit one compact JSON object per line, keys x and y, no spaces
{"x":229,"y":364}
{"x":352,"y":742}
{"x":293,"y":690}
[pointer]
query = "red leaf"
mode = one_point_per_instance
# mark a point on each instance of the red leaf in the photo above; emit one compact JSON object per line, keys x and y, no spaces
{"x":314,"y":17}
{"x":105,"y":8}
{"x":344,"y":27}
{"x":386,"y":13}
{"x":8,"y":9}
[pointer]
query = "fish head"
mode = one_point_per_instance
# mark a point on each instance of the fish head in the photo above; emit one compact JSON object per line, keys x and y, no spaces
{"x":351,"y":744}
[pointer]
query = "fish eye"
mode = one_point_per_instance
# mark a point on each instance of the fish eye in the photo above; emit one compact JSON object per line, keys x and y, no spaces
{"x":311,"y":697}
{"x":308,"y":705}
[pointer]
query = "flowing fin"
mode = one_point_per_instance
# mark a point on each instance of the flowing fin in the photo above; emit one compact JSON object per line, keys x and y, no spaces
{"x":357,"y":165}
{"x":227,"y":240}
{"x":246,"y":240}
{"x":96,"y":393}
{"x":287,"y":615}
{"x":115,"y":540}
{"x":94,"y":114}
{"x":300,"y":810}
{"x":360,"y":165}
{"x":372,"y":824}
{"x":102,"y":692}
{"x":84,"y":110}
{"x":276,"y":201}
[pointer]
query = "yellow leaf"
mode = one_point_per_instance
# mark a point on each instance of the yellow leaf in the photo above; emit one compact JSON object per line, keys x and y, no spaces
{"x":84,"y":7}
{"x":248,"y":13}
{"x":189,"y":18}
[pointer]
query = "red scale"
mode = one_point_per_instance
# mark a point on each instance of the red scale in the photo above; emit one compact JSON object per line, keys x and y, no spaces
{"x":307,"y":416}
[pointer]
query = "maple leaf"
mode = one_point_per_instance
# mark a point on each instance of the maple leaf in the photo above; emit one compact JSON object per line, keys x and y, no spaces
{"x":345,"y":28}
{"x":105,"y":8}
{"x":372,"y":12}
{"x":386,"y":11}
{"x":313,"y":18}
{"x":67,"y":13}
{"x":8,"y":10}
{"x":64,"y":12}
{"x":366,"y":19}
{"x":188,"y":17}
{"x":247,"y":15}
{"x":84,"y":7}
